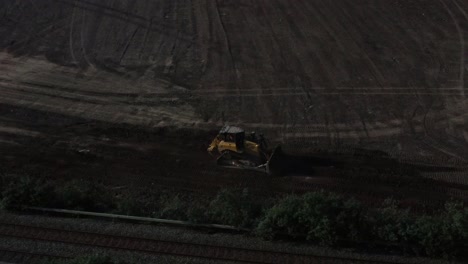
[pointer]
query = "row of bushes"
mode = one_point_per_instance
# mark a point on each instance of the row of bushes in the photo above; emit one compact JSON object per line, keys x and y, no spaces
{"x":330,"y":220}
{"x":319,"y":217}
{"x":229,"y":207}
{"x":21,"y":191}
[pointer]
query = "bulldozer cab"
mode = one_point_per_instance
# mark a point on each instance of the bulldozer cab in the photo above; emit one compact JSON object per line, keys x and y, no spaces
{"x":233,"y":135}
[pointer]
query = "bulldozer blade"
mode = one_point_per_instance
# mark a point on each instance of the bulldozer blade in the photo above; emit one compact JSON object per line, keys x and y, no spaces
{"x":279,"y":163}
{"x":225,"y":162}
{"x":274,"y":165}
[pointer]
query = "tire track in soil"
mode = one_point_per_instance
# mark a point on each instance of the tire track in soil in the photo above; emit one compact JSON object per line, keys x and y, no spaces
{"x":296,"y":67}
{"x":429,"y":123}
{"x":351,"y":33}
{"x":107,"y":98}
{"x":72,"y":53}
{"x":462,"y":45}
{"x":92,"y":31}
{"x":82,"y":41}
{"x":122,"y":15}
{"x":288,"y":114}
{"x":304,"y":71}
{"x":51,"y":28}
{"x":215,"y":89}
{"x":225,"y":34}
{"x":113,"y":101}
{"x":106,"y":112}
{"x":229,"y":70}
{"x":362,"y":113}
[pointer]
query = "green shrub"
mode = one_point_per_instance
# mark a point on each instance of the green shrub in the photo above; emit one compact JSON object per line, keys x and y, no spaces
{"x":435,"y":235}
{"x":392,"y":224}
{"x":20,"y":191}
{"x":235,"y":207}
{"x":83,"y":195}
{"x":129,"y":206}
{"x":172,"y":207}
{"x":197,"y":214}
{"x":444,"y":234}
{"x":322,"y":217}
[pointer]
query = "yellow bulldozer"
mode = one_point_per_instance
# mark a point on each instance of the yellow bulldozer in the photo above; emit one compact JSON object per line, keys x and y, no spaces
{"x":236,"y":150}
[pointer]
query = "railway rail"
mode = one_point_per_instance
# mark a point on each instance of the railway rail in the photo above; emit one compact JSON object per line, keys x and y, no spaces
{"x":21,"y":256}
{"x":164,"y":247}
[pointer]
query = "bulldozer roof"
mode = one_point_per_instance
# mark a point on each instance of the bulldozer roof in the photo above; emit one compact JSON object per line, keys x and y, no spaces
{"x":231,"y":130}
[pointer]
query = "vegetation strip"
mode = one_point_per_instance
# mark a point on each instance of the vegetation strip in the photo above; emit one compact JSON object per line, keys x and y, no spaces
{"x":322,"y":218}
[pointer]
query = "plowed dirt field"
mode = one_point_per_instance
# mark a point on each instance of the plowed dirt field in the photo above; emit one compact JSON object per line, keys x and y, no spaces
{"x":131,"y":92}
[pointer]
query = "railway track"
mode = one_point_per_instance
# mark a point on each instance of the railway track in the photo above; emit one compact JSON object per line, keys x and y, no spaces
{"x":19,"y":256}
{"x":158,"y":246}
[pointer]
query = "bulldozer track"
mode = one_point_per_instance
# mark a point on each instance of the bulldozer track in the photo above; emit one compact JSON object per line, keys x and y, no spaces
{"x":161,"y":247}
{"x":111,"y":12}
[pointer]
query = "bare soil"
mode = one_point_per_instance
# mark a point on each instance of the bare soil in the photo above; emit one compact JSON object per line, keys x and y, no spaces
{"x":131,"y":92}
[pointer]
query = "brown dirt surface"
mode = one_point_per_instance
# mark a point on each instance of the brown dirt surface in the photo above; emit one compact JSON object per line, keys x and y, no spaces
{"x":131,"y":92}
